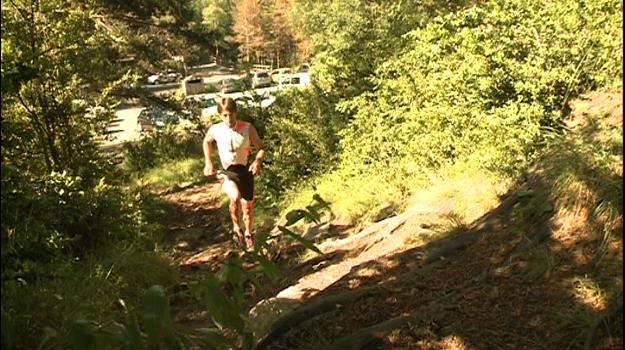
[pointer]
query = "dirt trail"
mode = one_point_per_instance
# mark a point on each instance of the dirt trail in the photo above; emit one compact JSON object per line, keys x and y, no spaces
{"x":200,"y":237}
{"x":199,"y":234}
{"x":199,"y":229}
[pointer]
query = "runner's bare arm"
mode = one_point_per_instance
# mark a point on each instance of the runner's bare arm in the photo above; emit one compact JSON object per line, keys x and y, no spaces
{"x":207,"y":146}
{"x":255,"y":140}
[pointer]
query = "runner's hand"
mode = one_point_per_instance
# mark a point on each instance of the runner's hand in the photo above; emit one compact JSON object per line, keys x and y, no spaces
{"x":209,"y":170}
{"x":221,"y":176}
{"x":255,"y":168}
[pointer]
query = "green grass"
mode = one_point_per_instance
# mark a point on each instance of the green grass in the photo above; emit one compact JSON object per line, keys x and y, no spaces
{"x":581,"y":174}
{"x":93,"y":288}
{"x":469,"y":189}
{"x":353,"y":198}
{"x":172,"y":173}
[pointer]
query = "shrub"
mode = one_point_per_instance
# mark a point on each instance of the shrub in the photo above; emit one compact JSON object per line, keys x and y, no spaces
{"x":55,"y":230}
{"x":91,"y":288}
{"x":301,"y":138}
{"x":159,"y":147}
{"x":484,"y":84}
{"x":59,"y":215}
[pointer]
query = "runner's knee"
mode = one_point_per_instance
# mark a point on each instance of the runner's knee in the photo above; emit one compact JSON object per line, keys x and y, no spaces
{"x":233,"y":205}
{"x":247,"y":206}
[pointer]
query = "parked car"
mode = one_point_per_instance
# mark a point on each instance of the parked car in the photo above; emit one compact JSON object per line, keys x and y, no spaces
{"x":209,"y":107}
{"x":262,"y":101}
{"x":155,"y":119}
{"x":278,"y":74}
{"x":262,"y":67}
{"x":303,"y":68}
{"x":291,"y":79}
{"x":228,"y":85}
{"x":304,"y":78}
{"x":267,"y":101}
{"x":169,"y":76}
{"x":153,"y":79}
{"x":192,"y":85}
{"x":260,"y":79}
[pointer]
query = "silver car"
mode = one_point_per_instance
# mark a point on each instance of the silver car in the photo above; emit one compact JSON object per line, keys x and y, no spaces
{"x":279,"y":74}
{"x":260,"y":79}
{"x":209,"y":107}
{"x":169,"y":76}
{"x":155,"y":119}
{"x":228,"y":85}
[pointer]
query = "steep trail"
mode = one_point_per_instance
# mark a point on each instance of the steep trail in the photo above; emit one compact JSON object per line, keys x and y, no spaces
{"x":199,"y":230}
{"x":198,"y":233}
{"x":198,"y":239}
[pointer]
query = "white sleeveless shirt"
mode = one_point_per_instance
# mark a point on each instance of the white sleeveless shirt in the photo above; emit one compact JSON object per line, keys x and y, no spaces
{"x":233,"y":145}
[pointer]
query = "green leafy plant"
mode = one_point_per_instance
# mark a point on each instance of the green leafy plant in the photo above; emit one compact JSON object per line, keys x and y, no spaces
{"x":151,"y":327}
{"x":223,"y":294}
{"x":158,"y":148}
{"x":301,"y":137}
{"x":312,"y":213}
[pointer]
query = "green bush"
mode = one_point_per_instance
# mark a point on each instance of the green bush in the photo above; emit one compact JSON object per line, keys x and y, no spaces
{"x":301,"y":138}
{"x":99,"y":289}
{"x":160,"y":147}
{"x":71,"y":249}
{"x":484,"y":84}
{"x":58,"y":215}
{"x":120,"y":299}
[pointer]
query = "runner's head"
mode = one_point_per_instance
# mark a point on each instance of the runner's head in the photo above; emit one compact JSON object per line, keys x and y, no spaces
{"x":227,"y":109}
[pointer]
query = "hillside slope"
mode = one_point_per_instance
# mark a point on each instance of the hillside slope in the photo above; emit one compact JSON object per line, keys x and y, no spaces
{"x":540,"y":270}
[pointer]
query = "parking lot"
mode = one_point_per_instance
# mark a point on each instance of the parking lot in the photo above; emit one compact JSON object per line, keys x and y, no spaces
{"x":124,"y":126}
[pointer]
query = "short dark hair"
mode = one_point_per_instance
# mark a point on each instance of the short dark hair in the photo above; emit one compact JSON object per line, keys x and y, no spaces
{"x":227,"y":104}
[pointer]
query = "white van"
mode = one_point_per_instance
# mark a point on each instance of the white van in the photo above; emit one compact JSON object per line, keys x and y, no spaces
{"x":304,"y":78}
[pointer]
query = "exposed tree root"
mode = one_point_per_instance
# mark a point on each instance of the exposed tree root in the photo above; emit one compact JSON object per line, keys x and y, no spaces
{"x":455,"y":243}
{"x":489,"y":220}
{"x":325,"y":304}
{"x":318,"y":259}
{"x":381,"y":228}
{"x":446,"y":247}
{"x":307,"y":311}
{"x":538,"y":236}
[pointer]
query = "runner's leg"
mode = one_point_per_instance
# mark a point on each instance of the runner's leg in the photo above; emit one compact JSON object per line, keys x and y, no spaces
{"x":248,"y":221}
{"x":246,"y":187}
{"x":231,"y":190}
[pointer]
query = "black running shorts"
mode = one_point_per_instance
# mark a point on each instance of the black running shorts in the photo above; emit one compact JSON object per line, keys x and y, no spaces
{"x":244,"y":179}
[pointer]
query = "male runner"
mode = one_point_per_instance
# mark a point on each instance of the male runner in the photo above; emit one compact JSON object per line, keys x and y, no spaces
{"x":233,"y":138}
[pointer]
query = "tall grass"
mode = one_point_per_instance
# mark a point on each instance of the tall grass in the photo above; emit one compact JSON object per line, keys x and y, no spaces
{"x":581,"y":174}
{"x":171,"y":173}
{"x":93,"y":288}
{"x":463,"y":186}
{"x":584,"y":175}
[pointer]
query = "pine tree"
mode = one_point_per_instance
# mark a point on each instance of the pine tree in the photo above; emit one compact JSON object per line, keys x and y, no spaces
{"x":248,"y":28}
{"x":284,"y":42}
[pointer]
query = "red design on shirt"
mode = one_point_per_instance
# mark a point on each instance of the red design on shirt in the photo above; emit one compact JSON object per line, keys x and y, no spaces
{"x":240,"y":126}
